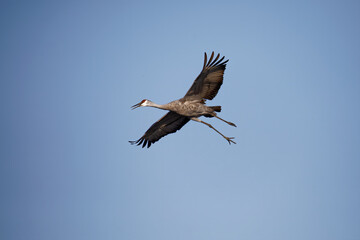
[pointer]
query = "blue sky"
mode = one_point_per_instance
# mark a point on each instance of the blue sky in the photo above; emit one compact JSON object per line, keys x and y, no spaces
{"x":70,"y":72}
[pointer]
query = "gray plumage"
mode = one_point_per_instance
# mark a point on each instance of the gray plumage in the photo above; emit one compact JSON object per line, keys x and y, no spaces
{"x":191,"y":106}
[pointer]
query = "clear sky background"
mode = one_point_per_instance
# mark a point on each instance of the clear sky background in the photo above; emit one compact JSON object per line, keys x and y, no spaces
{"x":70,"y":70}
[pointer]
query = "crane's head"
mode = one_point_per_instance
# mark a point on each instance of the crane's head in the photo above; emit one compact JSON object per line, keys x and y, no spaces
{"x":143,"y":103}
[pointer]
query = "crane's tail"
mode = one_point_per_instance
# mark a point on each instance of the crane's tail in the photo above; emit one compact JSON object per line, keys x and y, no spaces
{"x":216,"y":108}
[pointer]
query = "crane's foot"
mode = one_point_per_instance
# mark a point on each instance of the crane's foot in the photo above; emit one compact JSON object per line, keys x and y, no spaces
{"x":229,"y":140}
{"x":232,"y":124}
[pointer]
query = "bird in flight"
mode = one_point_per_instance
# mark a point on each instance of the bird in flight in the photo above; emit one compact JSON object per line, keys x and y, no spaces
{"x":191,"y":106}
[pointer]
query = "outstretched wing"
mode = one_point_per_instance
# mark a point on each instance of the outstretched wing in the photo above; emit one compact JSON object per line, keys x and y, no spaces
{"x":169,"y":123}
{"x":209,"y":81}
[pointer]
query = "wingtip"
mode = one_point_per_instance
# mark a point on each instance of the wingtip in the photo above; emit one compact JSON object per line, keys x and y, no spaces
{"x":213,"y":62}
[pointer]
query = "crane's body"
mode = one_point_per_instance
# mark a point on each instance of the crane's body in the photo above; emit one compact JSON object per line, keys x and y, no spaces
{"x":191,"y":106}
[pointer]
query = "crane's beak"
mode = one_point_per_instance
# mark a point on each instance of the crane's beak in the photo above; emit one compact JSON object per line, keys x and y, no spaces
{"x":136,"y":106}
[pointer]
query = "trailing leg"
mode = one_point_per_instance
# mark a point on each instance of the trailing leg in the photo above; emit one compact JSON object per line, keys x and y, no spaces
{"x":209,"y":125}
{"x":230,"y":123}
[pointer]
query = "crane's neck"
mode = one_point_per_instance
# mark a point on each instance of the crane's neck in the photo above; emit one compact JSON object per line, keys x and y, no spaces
{"x":160,"y":106}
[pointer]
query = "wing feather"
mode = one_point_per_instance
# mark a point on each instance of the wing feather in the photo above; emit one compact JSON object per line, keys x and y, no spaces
{"x":169,"y":123}
{"x":209,"y":81}
{"x":205,"y":60}
{"x":219,"y":60}
{"x":213,"y":62}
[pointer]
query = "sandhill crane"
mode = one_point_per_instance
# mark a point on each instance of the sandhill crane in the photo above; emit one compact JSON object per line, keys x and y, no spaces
{"x":191,"y":106}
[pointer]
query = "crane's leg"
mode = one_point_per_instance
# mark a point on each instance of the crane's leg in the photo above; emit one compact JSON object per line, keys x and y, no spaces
{"x":230,"y":123}
{"x":209,"y":125}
